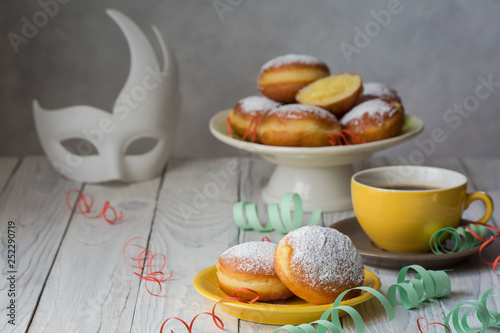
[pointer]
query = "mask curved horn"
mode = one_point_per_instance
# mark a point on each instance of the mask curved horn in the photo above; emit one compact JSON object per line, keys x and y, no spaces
{"x":142,"y":55}
{"x":169,"y":61}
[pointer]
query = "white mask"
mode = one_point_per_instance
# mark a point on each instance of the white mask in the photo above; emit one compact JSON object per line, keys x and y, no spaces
{"x":148,"y":107}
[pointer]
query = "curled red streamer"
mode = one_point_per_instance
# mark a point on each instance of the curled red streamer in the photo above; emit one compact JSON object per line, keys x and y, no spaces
{"x":144,"y":262}
{"x":435,"y":323}
{"x":253,"y":123}
{"x":84,"y":207}
{"x":341,"y":138}
{"x":217,"y":321}
{"x":486,"y":242}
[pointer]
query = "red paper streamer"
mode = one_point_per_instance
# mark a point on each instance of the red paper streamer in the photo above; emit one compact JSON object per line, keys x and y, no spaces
{"x":341,"y":138}
{"x":84,"y":207}
{"x":435,"y":323}
{"x":144,"y":262}
{"x":217,"y":321}
{"x":486,"y":242}
{"x":253,"y":123}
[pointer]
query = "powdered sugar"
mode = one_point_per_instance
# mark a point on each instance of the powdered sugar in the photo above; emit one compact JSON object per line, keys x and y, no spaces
{"x":256,"y":104}
{"x":252,"y":257}
{"x":378,"y":89}
{"x":374,"y":107}
{"x":290,"y":59}
{"x":296,"y":111}
{"x":325,"y":256}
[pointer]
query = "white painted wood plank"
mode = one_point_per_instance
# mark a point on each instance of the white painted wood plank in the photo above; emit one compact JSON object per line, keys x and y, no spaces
{"x":35,"y":199}
{"x":90,"y":286}
{"x":255,"y":173}
{"x":193,"y":226}
{"x":254,"y":176}
{"x":7,"y":166}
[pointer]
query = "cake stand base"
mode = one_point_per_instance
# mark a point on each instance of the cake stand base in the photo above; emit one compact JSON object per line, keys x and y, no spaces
{"x":325,"y":188}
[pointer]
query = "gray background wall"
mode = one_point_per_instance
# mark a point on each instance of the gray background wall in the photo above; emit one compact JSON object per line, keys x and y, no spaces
{"x":433,"y":53}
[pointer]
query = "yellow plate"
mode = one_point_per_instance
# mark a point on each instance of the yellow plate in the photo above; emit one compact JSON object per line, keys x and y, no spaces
{"x":293,"y":311}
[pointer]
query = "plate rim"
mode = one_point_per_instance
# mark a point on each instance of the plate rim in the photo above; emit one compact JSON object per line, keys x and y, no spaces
{"x":263,"y":306}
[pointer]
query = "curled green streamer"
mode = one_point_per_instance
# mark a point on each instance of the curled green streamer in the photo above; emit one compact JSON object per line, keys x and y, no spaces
{"x":487,"y":317}
{"x":423,"y":287}
{"x":281,"y":222}
{"x":434,"y":284}
{"x":460,"y":237}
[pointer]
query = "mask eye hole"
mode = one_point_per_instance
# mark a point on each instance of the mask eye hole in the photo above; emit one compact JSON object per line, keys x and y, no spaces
{"x":141,"y":146}
{"x":80,"y":147}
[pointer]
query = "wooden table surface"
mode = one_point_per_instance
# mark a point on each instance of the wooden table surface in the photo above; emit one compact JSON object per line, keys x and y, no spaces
{"x":70,"y":275}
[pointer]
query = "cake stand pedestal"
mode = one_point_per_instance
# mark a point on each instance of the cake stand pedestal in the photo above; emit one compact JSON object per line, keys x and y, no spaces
{"x":325,"y":188}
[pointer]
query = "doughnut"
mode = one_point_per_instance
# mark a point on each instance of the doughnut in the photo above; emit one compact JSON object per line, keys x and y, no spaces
{"x":281,"y":78}
{"x":374,"y":120}
{"x":373,"y":90}
{"x":246,"y":109}
{"x":296,"y":125}
{"x":336,"y":93}
{"x":318,"y":263}
{"x":251,"y":265}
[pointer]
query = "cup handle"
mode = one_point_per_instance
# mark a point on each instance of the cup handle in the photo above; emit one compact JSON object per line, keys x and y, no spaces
{"x":484,"y":197}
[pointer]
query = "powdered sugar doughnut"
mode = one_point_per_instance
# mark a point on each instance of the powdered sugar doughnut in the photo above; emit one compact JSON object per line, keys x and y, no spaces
{"x":251,"y":265}
{"x":318,"y":263}
{"x":297,"y":125}
{"x":374,"y":90}
{"x":247,"y":109}
{"x":281,"y":78}
{"x":375,"y":119}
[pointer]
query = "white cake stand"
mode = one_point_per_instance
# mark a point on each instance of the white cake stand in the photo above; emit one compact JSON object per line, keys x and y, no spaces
{"x":320,"y":175}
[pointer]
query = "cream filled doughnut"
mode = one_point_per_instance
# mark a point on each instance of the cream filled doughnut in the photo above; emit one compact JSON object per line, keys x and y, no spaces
{"x":336,"y":93}
{"x":318,"y":263}
{"x":297,"y":125}
{"x":281,"y":78}
{"x":374,"y":120}
{"x":248,"y":108}
{"x":251,"y":265}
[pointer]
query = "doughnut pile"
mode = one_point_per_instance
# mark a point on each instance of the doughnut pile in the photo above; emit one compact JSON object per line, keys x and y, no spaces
{"x":296,"y":87}
{"x":313,"y":262}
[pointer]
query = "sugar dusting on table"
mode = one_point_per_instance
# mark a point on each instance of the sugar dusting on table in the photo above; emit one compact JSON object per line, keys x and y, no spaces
{"x":291,"y":59}
{"x":376,"y":108}
{"x":325,"y":256}
{"x":252,"y":257}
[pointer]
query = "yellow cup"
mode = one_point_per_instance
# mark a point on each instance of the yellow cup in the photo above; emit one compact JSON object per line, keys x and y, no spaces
{"x":403,"y":220}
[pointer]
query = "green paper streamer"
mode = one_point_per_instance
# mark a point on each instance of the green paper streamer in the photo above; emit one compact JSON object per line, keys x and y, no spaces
{"x":460,"y":237}
{"x":280,"y":220}
{"x":426,"y":285}
{"x":487,"y":317}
